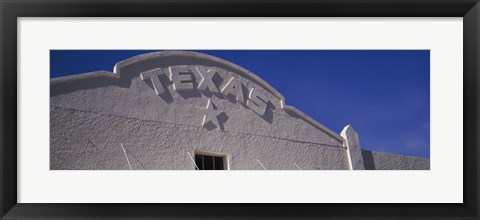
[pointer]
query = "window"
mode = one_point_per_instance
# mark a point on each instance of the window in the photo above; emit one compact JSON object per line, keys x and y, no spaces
{"x":208,"y":162}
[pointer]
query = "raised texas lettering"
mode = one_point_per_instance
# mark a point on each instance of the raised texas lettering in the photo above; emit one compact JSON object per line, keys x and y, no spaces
{"x":153,"y":76}
{"x":233,"y":86}
{"x":257,"y":102}
{"x":207,"y":79}
{"x":181,"y":77}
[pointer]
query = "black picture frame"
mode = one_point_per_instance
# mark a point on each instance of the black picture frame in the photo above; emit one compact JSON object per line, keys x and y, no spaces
{"x":10,"y":10}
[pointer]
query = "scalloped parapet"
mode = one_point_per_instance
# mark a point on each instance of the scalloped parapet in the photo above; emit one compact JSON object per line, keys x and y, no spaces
{"x":118,"y":68}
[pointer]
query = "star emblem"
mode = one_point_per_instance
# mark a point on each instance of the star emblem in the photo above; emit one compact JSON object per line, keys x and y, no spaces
{"x":211,"y":114}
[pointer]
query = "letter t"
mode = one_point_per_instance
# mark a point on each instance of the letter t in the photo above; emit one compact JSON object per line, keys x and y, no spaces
{"x":153,"y":76}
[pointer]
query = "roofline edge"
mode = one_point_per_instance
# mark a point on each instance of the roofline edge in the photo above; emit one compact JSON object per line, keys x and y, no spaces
{"x":116,"y":74}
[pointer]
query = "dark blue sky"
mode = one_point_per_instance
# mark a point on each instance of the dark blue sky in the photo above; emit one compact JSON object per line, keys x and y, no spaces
{"x":383,"y":94}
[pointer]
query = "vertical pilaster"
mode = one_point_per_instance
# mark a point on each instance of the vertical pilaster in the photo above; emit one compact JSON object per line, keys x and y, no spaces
{"x":352,"y":143}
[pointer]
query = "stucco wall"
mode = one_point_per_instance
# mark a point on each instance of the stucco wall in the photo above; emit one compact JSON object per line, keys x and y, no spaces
{"x":92,"y":116}
{"x":386,"y":161}
{"x":92,"y":141}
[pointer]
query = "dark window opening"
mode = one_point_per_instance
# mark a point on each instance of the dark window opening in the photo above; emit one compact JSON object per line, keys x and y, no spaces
{"x":206,"y":162}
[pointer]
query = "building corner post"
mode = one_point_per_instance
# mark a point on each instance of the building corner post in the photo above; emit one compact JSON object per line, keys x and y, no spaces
{"x":352,"y":143}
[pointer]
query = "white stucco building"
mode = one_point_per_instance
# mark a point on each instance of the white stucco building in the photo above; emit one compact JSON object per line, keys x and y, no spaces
{"x":178,"y":110}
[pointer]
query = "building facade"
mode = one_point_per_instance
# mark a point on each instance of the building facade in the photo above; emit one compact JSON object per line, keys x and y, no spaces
{"x":179,"y":110}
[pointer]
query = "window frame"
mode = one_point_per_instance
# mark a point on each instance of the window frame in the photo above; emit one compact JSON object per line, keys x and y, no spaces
{"x":224,"y":156}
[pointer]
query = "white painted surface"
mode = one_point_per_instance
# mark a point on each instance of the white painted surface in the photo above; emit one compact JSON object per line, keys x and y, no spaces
{"x":354,"y":153}
{"x":89,"y":116}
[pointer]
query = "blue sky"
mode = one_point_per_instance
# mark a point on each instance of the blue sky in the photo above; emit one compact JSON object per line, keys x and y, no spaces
{"x":383,"y":94}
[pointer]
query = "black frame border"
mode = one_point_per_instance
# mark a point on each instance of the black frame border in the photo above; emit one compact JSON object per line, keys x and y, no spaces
{"x":10,"y":10}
